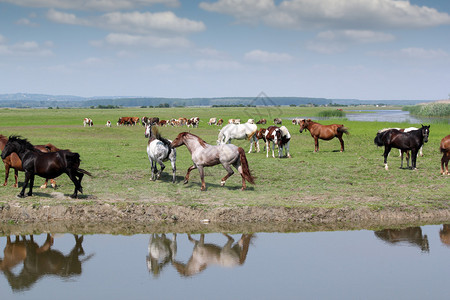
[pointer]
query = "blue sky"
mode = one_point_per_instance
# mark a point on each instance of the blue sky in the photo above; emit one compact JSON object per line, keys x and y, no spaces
{"x":364,"y":49}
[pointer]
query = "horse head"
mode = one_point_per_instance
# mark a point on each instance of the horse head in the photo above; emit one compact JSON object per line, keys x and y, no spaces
{"x":179,"y":140}
{"x":16,"y":144}
{"x":148,"y":130}
{"x":303,"y":124}
{"x":425,"y":132}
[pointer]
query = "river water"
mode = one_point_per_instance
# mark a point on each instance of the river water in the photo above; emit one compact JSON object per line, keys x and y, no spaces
{"x":412,"y":263}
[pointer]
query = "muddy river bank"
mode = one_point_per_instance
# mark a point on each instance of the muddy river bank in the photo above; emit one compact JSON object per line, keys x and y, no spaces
{"x":143,"y":218}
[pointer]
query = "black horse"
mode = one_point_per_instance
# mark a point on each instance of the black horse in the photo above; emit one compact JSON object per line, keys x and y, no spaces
{"x":404,"y":141}
{"x":46,"y":165}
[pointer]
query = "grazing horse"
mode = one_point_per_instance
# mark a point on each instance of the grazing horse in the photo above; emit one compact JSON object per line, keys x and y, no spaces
{"x":279,"y":136}
{"x":219,"y":122}
{"x":445,"y":150}
{"x":238,"y":132}
{"x":205,"y":155}
{"x":13,"y":161}
{"x":46,"y":165}
{"x":323,"y":132}
{"x":277,"y":121}
{"x":404,"y":141}
{"x":158,"y":151}
{"x":88,"y":122}
{"x":212,"y":121}
{"x":262,"y":122}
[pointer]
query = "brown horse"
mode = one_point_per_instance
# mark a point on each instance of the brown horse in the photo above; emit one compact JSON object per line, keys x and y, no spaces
{"x":445,"y":150}
{"x":323,"y":132}
{"x":13,"y":161}
{"x":206,"y":155}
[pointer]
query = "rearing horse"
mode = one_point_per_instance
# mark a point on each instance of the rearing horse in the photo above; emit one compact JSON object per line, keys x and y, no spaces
{"x":206,"y":155}
{"x":323,"y":132}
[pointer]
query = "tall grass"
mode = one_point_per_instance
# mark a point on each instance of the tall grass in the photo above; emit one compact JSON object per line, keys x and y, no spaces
{"x":429,"y":110}
{"x":335,"y":113}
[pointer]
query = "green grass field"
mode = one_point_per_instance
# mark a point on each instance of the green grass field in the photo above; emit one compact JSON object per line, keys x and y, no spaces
{"x":118,"y":160}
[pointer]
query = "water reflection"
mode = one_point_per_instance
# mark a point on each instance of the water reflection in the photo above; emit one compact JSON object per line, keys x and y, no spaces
{"x":204,"y":255}
{"x":410,"y":235}
{"x":161,"y":251}
{"x":444,"y":234}
{"x":38,"y":261}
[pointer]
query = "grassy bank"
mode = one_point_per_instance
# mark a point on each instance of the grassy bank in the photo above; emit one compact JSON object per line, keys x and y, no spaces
{"x":329,"y":179}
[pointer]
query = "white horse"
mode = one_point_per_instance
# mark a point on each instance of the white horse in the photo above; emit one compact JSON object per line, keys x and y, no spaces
{"x":238,"y":132}
{"x":159,"y":150}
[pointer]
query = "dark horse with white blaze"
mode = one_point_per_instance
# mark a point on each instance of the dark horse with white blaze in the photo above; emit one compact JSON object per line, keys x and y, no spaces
{"x":46,"y":165}
{"x":405,"y":141}
{"x":206,"y":155}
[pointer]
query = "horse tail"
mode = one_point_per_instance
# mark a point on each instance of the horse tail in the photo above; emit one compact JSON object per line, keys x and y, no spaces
{"x":245,"y":170}
{"x":84,"y":172}
{"x":343,"y":129}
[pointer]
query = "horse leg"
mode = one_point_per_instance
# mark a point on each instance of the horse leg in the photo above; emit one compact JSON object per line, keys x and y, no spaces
{"x":407,"y":159}
{"x":401,"y":159}
{"x":76,"y":182}
{"x":273,"y":150}
{"x":6,"y":174}
{"x":186,"y":178}
{"x":16,"y":178}
{"x":387,"y":149}
{"x":161,"y":169}
{"x":287,"y":150}
{"x":30,"y":191}
{"x":53,"y":183}
{"x":341,"y":141}
{"x":44,"y":186}
{"x":267,"y":148}
{"x":174,"y":169}
{"x":413,"y":158}
{"x":238,"y":166}
{"x":154,"y":169}
{"x":316,"y":144}
{"x":230,"y":172}
{"x":202,"y":177}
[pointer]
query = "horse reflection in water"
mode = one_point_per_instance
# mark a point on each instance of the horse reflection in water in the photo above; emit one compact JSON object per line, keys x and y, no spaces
{"x":411,"y":235}
{"x":39,"y":261}
{"x":161,"y":251}
{"x":204,"y":255}
{"x":444,"y":234}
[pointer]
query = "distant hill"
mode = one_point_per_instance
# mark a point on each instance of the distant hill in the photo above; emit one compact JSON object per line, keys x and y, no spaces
{"x":23,"y":100}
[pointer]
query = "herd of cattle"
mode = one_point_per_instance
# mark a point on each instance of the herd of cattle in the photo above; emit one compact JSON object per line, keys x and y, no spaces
{"x":194,"y":121}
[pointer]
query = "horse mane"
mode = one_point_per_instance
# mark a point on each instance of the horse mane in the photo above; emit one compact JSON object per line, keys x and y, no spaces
{"x":21,"y":141}
{"x":200,"y":141}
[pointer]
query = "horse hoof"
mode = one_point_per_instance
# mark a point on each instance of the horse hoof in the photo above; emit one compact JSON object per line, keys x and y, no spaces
{"x":43,"y":186}
{"x":20,"y":196}
{"x":73,"y":196}
{"x":222,"y":183}
{"x":185,"y":181}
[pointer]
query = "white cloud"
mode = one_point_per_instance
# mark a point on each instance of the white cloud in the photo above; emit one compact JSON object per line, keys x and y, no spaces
{"x":148,"y":22}
{"x":99,"y":5}
{"x":348,"y":14}
{"x":414,"y":54}
{"x":217,"y":65}
{"x":26,"y":22}
{"x":267,"y":57}
{"x":132,"y":22}
{"x":129,"y":40}
{"x":28,"y":48}
{"x":334,"y":41}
